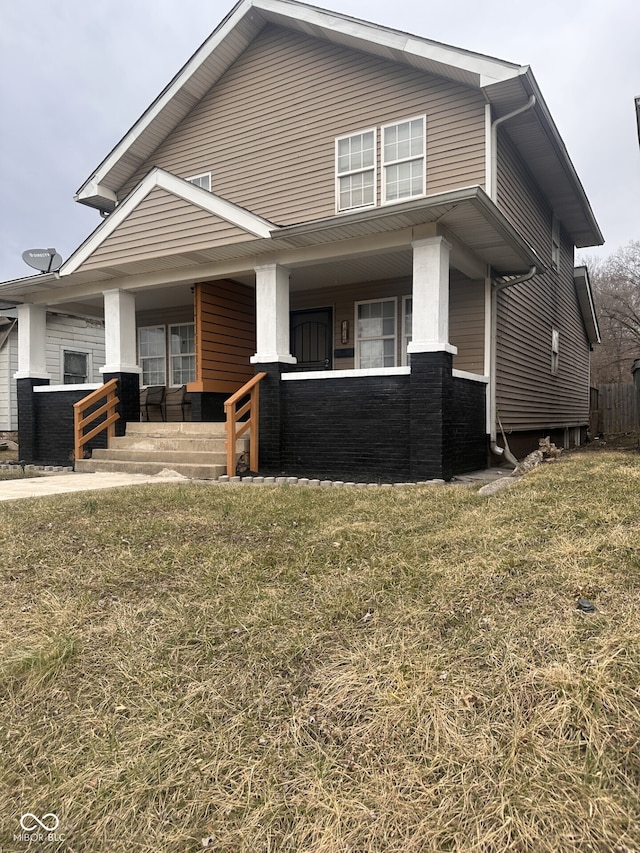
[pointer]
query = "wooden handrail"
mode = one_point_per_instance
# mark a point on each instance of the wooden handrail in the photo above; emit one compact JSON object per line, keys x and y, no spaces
{"x":236,"y":428}
{"x":81,"y":419}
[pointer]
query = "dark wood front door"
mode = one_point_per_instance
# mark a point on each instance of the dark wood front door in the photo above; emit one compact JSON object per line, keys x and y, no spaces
{"x":312,"y":338}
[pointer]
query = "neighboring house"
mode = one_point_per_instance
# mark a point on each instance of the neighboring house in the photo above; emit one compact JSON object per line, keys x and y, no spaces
{"x":382,"y":224}
{"x":74,"y":354}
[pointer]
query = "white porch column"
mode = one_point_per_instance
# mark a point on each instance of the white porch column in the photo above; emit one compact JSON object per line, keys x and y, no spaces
{"x":272,"y":315}
{"x":32,"y":334}
{"x":120,"y":332}
{"x":430,"y":331}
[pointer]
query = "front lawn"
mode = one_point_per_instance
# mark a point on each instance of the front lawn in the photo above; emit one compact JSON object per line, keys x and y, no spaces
{"x":329,"y":671}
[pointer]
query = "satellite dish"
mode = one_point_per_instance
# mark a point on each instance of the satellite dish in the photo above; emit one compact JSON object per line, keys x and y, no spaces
{"x":45,"y":260}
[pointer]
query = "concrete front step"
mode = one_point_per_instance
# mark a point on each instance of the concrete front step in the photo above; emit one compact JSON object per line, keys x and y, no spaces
{"x":193,"y":471}
{"x":161,"y":455}
{"x":186,"y":444}
{"x":196,"y":450}
{"x":186,"y":429}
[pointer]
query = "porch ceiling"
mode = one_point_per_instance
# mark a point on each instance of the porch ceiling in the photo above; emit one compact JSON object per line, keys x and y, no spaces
{"x":365,"y":245}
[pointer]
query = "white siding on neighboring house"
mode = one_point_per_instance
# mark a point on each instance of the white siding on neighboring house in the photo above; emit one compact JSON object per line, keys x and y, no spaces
{"x":64,"y":332}
{"x":76,"y":334}
{"x":8,"y":366}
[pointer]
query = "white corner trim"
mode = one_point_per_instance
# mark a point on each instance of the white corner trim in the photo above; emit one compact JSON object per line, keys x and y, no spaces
{"x":431,"y":346}
{"x":181,"y":188}
{"x":120,"y":368}
{"x":272,"y":358}
{"x":88,"y":386}
{"x":474,"y":377}
{"x":31,"y":374}
{"x":355,"y":373}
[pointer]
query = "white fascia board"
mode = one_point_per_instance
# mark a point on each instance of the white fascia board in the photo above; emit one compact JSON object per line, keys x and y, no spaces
{"x":179,"y":187}
{"x":92,"y":186}
{"x":487,"y":69}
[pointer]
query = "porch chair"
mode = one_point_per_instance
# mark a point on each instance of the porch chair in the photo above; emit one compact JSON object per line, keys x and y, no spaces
{"x":153,"y":396}
{"x":177,"y":398}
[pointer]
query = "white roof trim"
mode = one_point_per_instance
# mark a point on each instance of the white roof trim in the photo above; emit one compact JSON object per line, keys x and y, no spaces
{"x":484,"y":66}
{"x":204,"y":199}
{"x":487,"y":69}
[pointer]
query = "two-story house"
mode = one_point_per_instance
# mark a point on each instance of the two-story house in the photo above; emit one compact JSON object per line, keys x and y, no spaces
{"x":381,"y":224}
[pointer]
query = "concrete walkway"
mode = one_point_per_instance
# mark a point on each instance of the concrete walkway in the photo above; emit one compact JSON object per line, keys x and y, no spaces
{"x":58,"y":484}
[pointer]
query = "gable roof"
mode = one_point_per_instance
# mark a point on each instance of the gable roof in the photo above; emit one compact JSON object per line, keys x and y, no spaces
{"x":230,"y":39}
{"x":244,"y":223}
{"x":505,"y":85}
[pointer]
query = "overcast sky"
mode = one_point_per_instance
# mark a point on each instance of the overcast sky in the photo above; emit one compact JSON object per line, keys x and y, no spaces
{"x":76,"y":74}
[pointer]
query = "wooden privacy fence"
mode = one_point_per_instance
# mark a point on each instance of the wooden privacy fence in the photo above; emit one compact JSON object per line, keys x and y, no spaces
{"x":614,"y":408}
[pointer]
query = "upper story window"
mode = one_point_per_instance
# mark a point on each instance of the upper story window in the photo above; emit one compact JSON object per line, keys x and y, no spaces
{"x":402,"y":172}
{"x":403,"y":160}
{"x":356,"y":170}
{"x":203,"y":181}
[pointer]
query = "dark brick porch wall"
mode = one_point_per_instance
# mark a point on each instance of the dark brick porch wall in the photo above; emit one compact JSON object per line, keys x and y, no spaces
{"x":347,"y":429}
{"x":470,"y":443}
{"x":396,"y":428}
{"x":52,"y":427}
{"x":45,"y":420}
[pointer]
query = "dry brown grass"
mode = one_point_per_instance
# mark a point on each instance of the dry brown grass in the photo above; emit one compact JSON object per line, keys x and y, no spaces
{"x":332,"y":671}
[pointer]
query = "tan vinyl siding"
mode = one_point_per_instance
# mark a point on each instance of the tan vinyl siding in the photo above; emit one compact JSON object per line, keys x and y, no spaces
{"x":466,"y":320}
{"x":163,"y":224}
{"x":466,"y":323}
{"x":266,"y":130}
{"x":225,"y":336}
{"x":521,"y":201}
{"x":529,"y":395}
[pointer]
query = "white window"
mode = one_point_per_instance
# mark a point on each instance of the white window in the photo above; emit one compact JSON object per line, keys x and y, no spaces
{"x":555,"y":350}
{"x":182,"y":353}
{"x":407,"y":324}
{"x":203,"y":181}
{"x":376,"y":333}
{"x":555,"y":243}
{"x":75,"y":367}
{"x":152,"y":352}
{"x":356,"y":170}
{"x":403,"y":160}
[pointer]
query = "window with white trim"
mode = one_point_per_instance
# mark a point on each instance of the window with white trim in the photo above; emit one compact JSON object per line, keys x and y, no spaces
{"x":152,"y":353}
{"x":75,"y":367}
{"x":555,"y":350}
{"x":203,"y":181}
{"x":376,"y":333}
{"x":407,"y":325}
{"x":356,"y":170}
{"x":403,"y":160}
{"x":182,"y":356}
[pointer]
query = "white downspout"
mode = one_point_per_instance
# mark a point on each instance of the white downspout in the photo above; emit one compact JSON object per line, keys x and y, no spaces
{"x":492,"y":189}
{"x":492,"y":161}
{"x":493,"y":414}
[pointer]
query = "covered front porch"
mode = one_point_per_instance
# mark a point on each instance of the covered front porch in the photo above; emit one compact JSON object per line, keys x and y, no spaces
{"x":373,"y":332}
